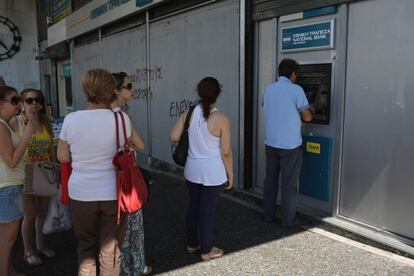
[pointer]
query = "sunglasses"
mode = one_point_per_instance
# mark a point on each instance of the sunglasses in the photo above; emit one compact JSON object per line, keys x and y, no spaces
{"x":32,"y":100}
{"x":15,"y":100}
{"x":128,"y":86}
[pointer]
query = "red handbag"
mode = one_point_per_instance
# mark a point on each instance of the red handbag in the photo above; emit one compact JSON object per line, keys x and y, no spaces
{"x":131,"y":187}
{"x":65,"y":172}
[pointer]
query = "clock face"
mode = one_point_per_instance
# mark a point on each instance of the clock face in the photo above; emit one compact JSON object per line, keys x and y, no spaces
{"x":10,"y":38}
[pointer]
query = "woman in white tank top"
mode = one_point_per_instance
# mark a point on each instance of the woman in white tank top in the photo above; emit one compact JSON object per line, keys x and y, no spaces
{"x":208,"y":168}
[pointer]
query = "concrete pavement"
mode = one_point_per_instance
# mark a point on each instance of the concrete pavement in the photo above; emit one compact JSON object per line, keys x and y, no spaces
{"x":252,"y":246}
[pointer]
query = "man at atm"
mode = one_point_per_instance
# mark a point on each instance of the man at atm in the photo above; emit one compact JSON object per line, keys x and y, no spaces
{"x":284,"y":104}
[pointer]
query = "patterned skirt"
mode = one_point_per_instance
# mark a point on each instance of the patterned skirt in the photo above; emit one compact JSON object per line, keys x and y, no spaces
{"x":133,"y":250}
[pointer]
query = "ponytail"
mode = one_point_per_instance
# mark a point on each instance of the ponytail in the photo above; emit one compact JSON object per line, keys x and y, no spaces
{"x":208,"y":89}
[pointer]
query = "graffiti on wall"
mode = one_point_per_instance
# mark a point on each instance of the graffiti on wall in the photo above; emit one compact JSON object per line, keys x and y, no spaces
{"x":139,"y":79}
{"x":178,"y":107}
{"x":141,"y":75}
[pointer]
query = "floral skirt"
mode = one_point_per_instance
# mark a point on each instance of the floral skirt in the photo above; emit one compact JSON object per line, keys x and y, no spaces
{"x":133,"y":250}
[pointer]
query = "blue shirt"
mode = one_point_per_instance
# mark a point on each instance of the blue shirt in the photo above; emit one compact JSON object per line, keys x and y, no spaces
{"x":282,"y":103}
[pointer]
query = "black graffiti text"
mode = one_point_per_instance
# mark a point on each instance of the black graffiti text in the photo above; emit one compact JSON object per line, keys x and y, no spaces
{"x":178,"y":107}
{"x":141,"y":75}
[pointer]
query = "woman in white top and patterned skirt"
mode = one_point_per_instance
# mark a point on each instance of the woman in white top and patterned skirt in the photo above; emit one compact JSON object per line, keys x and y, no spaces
{"x":209,"y":166}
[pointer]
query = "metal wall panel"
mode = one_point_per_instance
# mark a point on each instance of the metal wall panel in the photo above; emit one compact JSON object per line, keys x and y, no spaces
{"x":84,"y":57}
{"x":125,"y":51}
{"x":378,"y":136}
{"x":265,"y":73}
{"x":184,"y":49}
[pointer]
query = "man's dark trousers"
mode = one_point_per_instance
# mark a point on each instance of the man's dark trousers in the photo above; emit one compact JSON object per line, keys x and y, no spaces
{"x":287,"y":163}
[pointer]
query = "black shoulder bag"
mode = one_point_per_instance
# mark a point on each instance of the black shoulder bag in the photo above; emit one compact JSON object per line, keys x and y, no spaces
{"x":181,"y":150}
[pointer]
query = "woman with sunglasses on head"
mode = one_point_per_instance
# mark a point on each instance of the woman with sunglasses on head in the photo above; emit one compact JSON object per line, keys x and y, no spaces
{"x":133,"y":251}
{"x":12,"y":150}
{"x":40,"y":148}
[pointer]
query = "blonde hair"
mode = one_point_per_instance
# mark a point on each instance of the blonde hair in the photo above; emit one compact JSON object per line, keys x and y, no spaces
{"x":98,"y":86}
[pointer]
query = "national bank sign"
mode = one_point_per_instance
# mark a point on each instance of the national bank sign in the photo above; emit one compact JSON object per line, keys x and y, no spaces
{"x":308,"y":37}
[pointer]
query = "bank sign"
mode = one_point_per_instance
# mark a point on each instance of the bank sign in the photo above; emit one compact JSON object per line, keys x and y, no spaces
{"x":308,"y":37}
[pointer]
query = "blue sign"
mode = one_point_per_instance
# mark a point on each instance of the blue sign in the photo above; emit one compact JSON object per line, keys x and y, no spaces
{"x":140,"y":3}
{"x":308,"y":37}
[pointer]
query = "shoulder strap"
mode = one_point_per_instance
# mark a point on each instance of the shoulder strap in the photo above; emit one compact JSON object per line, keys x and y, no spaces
{"x":116,"y":130}
{"x":7,"y":125}
{"x":126,"y":144}
{"x":188,"y":117}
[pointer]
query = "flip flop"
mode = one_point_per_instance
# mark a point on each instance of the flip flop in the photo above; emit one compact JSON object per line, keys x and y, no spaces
{"x":214,"y":253}
{"x":192,"y":250}
{"x":147,"y":270}
{"x":33,"y":259}
{"x":48,"y":253}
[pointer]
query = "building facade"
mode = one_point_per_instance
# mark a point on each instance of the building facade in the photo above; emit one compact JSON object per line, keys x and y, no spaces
{"x":18,"y":48}
{"x":356,"y":72}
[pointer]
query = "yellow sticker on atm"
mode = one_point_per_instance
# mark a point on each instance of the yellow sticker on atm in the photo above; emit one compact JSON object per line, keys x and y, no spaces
{"x":313,"y":147}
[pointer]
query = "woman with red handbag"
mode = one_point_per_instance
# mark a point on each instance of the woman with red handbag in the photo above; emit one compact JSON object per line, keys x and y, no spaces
{"x":88,"y":140}
{"x":133,"y":251}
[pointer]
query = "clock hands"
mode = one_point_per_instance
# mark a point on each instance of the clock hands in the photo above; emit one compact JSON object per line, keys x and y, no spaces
{"x":4,"y":46}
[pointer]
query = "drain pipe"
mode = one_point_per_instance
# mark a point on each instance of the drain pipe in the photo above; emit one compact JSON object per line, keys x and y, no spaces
{"x":148,"y":66}
{"x":100,"y":47}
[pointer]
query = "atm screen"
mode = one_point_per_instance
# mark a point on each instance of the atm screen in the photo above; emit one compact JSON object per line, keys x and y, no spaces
{"x":315,"y":79}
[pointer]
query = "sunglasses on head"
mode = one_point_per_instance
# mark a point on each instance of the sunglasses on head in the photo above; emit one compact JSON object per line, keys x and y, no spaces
{"x":32,"y":100}
{"x":15,"y":100}
{"x":128,"y":86}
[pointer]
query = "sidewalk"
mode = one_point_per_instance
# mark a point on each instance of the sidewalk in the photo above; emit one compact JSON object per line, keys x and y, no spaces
{"x":252,"y":246}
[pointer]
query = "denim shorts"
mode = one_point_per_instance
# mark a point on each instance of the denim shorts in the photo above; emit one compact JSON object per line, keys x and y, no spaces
{"x":11,"y":204}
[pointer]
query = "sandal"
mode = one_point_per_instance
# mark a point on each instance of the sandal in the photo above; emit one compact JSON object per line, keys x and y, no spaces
{"x":214,"y":253}
{"x":192,"y":250}
{"x":48,"y":253}
{"x":33,"y":259}
{"x":147,"y":270}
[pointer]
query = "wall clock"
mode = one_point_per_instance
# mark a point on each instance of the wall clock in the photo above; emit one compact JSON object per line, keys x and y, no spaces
{"x":10,"y":38}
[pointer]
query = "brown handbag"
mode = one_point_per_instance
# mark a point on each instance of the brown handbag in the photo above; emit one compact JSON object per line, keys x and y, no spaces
{"x":41,"y":178}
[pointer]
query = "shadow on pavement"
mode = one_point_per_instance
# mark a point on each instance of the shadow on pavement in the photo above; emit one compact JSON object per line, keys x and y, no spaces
{"x":237,"y":228}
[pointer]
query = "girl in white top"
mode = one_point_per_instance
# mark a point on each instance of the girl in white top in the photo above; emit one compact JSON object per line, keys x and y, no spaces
{"x":209,"y":166}
{"x":88,"y":140}
{"x":12,"y":149}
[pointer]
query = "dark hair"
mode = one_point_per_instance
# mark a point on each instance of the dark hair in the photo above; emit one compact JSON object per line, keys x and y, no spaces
{"x":208,"y":90}
{"x":43,"y":116}
{"x":98,"y":86}
{"x":5,"y":91}
{"x":119,"y":79}
{"x":287,"y":66}
{"x":2,"y":82}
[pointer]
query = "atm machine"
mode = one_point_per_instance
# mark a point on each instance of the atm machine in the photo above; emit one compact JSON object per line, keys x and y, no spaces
{"x":315,"y":178}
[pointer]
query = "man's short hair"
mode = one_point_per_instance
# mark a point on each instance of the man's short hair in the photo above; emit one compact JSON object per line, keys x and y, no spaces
{"x":98,"y":86}
{"x":2,"y":82}
{"x":287,"y":66}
